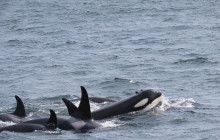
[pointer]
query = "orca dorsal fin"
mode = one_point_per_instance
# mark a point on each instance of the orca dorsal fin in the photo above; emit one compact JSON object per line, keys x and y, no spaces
{"x":70,"y":106}
{"x":20,"y":110}
{"x":52,"y":122}
{"x":84,"y":106}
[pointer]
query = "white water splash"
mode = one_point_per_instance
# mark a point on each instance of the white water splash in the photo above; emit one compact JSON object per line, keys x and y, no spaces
{"x":30,"y":115}
{"x":132,"y":82}
{"x":94,"y":106}
{"x":175,"y":103}
{"x":2,"y":124}
{"x":49,"y":132}
{"x":57,"y":131}
{"x":111,"y":124}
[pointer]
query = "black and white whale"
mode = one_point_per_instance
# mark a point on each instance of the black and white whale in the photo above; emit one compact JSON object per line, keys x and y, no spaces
{"x":80,"y":119}
{"x":51,"y":124}
{"x":146,"y":100}
{"x":17,"y":116}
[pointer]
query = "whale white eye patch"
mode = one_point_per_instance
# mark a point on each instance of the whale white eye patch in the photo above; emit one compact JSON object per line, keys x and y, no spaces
{"x":141,"y":103}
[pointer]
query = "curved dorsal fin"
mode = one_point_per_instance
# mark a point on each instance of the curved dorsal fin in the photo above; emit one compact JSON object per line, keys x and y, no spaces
{"x":52,"y":122}
{"x":70,"y":106}
{"x":84,"y":106}
{"x":20,"y":110}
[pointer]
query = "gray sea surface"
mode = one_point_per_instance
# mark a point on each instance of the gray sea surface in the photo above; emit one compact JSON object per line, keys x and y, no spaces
{"x":49,"y":48}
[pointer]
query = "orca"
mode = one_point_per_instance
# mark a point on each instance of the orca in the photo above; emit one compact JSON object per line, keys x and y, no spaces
{"x":18,"y":115}
{"x":145,"y":99}
{"x":51,"y":124}
{"x":80,"y":119}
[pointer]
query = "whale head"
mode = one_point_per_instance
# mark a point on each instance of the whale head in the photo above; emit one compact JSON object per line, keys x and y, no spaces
{"x":142,"y":100}
{"x":147,"y":99}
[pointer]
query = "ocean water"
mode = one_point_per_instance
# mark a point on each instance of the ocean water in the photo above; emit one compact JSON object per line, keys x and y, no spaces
{"x":49,"y":48}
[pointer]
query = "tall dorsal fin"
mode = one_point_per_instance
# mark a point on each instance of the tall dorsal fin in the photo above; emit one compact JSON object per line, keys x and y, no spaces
{"x":84,"y":106}
{"x":70,"y":106}
{"x":20,"y":110}
{"x":52,"y":122}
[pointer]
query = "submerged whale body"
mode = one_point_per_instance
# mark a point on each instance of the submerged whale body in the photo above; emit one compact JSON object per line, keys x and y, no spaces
{"x":51,"y":124}
{"x":97,"y":100}
{"x":80,"y":119}
{"x":18,"y":115}
{"x":100,"y":100}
